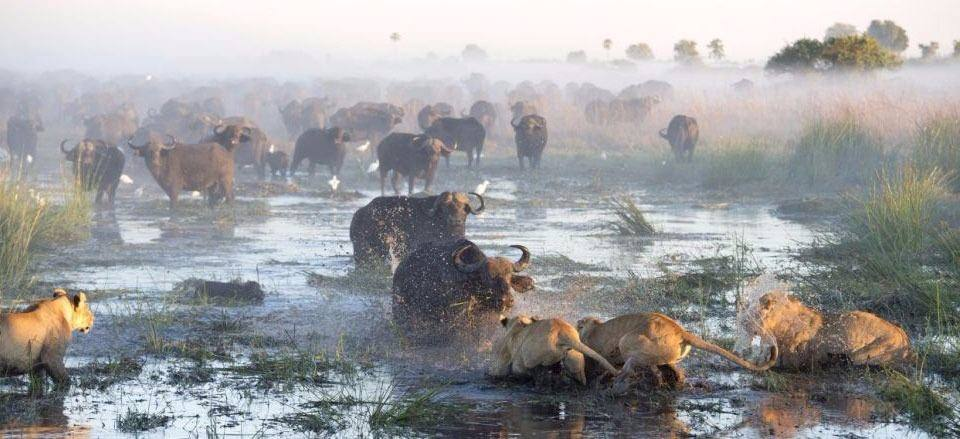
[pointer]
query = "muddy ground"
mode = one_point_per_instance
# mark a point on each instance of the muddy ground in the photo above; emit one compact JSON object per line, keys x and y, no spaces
{"x":319,"y":355}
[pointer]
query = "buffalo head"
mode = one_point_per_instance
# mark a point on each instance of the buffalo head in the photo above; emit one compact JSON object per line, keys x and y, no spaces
{"x":82,"y":154}
{"x":452,"y":208}
{"x":499,"y":274}
{"x":231,"y":135}
{"x":153,"y":151}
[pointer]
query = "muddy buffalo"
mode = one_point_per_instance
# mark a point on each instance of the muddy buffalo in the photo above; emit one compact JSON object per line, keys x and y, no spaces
{"x":393,"y":226}
{"x":411,"y":155}
{"x":463,"y":134}
{"x":96,"y":165}
{"x":325,"y":146}
{"x":682,"y":133}
{"x":531,"y":136}
{"x":204,"y":167}
{"x":450,"y":288}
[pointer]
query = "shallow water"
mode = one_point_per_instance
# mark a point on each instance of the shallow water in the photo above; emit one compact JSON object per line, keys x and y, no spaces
{"x":137,"y":254}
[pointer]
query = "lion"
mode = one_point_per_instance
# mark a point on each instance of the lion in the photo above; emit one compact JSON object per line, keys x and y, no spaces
{"x":808,"y":338}
{"x":530,"y":343}
{"x":35,"y":340}
{"x":653,"y":341}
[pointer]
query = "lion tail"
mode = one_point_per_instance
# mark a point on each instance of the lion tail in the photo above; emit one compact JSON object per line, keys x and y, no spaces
{"x":578,"y":345}
{"x":699,"y":343}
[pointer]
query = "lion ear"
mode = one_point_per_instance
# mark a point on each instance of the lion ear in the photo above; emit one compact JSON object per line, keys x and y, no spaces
{"x":59,"y":292}
{"x":503,"y":320}
{"x":79,"y":300}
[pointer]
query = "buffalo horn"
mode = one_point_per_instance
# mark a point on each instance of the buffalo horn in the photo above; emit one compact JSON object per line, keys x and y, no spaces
{"x":480,"y":209}
{"x":524,"y":261}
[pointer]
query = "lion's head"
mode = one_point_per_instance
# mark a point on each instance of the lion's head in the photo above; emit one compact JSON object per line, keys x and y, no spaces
{"x":81,"y":318}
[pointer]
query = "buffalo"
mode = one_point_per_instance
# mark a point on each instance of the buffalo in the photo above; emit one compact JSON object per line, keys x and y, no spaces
{"x":633,"y":110}
{"x":430,"y":113}
{"x":393,"y":226}
{"x":112,"y":128}
{"x":96,"y":164}
{"x":368,"y":121}
{"x":682,"y":133}
{"x":412,"y":155}
{"x":485,"y":113}
{"x":278,"y":161}
{"x":325,"y":146}
{"x":22,"y":137}
{"x":299,"y":116}
{"x":465,"y":134}
{"x":520,"y":109}
{"x":205,"y":167}
{"x":531,"y":136}
{"x":449,"y":288}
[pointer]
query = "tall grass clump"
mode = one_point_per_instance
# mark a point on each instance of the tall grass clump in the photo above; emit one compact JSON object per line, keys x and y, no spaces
{"x":630,"y":219}
{"x":831,"y":151}
{"x":739,"y":162}
{"x":28,"y":221}
{"x":937,"y":142}
{"x":21,"y":212}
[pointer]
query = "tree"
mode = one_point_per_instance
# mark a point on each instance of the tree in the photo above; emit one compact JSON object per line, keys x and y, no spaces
{"x":889,"y":35}
{"x":395,"y":37}
{"x":716,"y":49}
{"x":929,"y":51}
{"x":473,"y":52}
{"x":858,"y":53}
{"x":577,"y":57}
{"x":840,"y":30}
{"x":607,"y":45}
{"x":802,"y":56}
{"x":685,"y":52}
{"x":639,"y":52}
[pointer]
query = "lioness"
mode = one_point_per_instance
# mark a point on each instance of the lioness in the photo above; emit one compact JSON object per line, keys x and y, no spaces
{"x":529,"y":343}
{"x":36,"y":338}
{"x":807,"y":338}
{"x":654,"y":341}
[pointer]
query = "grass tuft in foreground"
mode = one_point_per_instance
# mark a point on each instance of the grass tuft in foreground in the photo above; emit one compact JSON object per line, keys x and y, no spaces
{"x":135,"y":421}
{"x":630,"y":219}
{"x":923,"y":405}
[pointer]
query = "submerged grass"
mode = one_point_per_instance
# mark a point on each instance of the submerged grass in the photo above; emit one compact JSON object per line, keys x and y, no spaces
{"x":135,"y":421}
{"x":630,"y":219}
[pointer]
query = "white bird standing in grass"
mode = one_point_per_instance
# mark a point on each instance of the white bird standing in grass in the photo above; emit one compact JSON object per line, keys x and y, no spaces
{"x":334,"y":182}
{"x":125,"y":179}
{"x":373,"y":167}
{"x":603,"y":155}
{"x":482,"y":187}
{"x":363,"y":147}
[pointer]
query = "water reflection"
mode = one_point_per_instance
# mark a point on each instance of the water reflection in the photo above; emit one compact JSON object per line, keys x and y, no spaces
{"x":31,"y":416}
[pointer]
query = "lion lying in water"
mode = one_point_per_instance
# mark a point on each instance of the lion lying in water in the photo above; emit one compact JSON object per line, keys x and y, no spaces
{"x":652,"y":341}
{"x":530,"y":343}
{"x":36,"y":338}
{"x":806,"y":338}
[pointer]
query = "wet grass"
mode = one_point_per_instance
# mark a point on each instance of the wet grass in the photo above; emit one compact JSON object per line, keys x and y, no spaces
{"x":630,"y":220}
{"x":102,"y":375}
{"x":286,"y":369}
{"x":924,"y":406}
{"x":134,"y":421}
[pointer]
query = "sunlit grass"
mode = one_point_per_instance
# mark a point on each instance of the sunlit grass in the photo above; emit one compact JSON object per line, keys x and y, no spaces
{"x":630,"y":219}
{"x":835,"y":150}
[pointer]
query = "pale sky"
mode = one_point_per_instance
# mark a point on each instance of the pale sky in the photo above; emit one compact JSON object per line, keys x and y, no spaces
{"x":83,"y":33}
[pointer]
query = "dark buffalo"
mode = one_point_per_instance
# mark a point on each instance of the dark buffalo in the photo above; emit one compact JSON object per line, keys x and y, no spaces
{"x":682,"y":133}
{"x":278,"y":161}
{"x":464,"y":134}
{"x":484,"y":112}
{"x":22,"y":138}
{"x":412,"y":155}
{"x":429,"y":113}
{"x":520,"y":109}
{"x":204,"y":167}
{"x":325,"y":146}
{"x":96,"y":164}
{"x":368,"y":121}
{"x":451,"y":288}
{"x":393,"y":226}
{"x":531,"y":137}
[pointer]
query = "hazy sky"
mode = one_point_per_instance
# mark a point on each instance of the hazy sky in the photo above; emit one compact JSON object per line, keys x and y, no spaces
{"x":83,"y":33}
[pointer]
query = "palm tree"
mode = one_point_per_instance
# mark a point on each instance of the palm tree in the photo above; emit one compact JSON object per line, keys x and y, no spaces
{"x":607,"y":45}
{"x":395,"y":39}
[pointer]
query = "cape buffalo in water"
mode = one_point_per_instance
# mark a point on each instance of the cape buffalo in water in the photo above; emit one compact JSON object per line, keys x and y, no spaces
{"x":452,"y":288}
{"x":682,"y":133}
{"x":22,"y":138}
{"x":325,"y":146}
{"x":205,"y":167}
{"x":531,"y":136}
{"x":463,"y":134}
{"x":96,"y":164}
{"x":393,"y":226}
{"x":411,"y":155}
